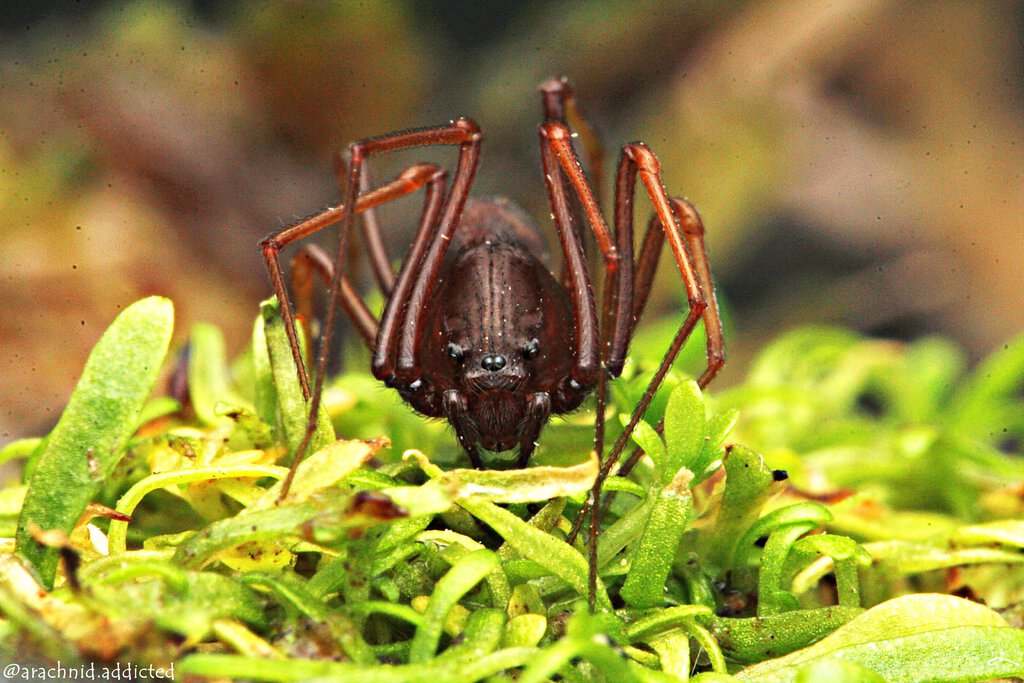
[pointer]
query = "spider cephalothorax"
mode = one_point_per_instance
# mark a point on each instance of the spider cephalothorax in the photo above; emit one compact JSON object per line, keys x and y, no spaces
{"x":504,"y":323}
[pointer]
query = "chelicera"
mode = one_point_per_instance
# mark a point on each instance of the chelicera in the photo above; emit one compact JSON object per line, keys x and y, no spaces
{"x":476,"y":329}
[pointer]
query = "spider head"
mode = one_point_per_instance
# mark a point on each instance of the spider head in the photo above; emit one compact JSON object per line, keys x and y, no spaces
{"x":495,"y":373}
{"x":490,"y":366}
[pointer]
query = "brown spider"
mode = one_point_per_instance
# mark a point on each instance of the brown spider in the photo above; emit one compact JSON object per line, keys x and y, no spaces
{"x":484,"y":335}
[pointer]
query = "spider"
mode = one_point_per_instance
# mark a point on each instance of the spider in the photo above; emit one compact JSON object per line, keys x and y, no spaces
{"x":482,"y":333}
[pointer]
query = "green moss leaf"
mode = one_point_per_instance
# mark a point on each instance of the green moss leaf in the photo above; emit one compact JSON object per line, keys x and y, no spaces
{"x":646,"y":438}
{"x":903,"y":558}
{"x":652,"y":557}
{"x":467,"y":668}
{"x":758,"y":638}
{"x":808,"y":513}
{"x":685,"y":422}
{"x":208,"y":379}
{"x":89,"y":439}
{"x":748,"y":479}
{"x":22,"y":448}
{"x":187,"y":605}
{"x":553,"y":554}
{"x":836,"y":671}
{"x":718,"y":428}
{"x":922,"y":637}
{"x":264,"y":390}
{"x":320,"y":470}
{"x":1008,"y":532}
{"x":294,"y":411}
{"x":988,"y":399}
{"x":528,"y":485}
{"x":462,"y":577}
{"x":550,"y":552}
{"x":322,"y":518}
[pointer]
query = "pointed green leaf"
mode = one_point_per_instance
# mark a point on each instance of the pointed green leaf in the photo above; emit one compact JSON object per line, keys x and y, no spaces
{"x":265,"y":398}
{"x":462,"y":577}
{"x":189,"y":604}
{"x":755,"y":639}
{"x":836,"y":671}
{"x":922,"y":637}
{"x":646,"y":438}
{"x":747,"y":484}
{"x":718,"y":429}
{"x":89,"y":439}
{"x":294,"y":411}
{"x":532,"y":484}
{"x":685,"y":422}
{"x":652,"y":557}
{"x":808,"y":512}
{"x":1009,"y":532}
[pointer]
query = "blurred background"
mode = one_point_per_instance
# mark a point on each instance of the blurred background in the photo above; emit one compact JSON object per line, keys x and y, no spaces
{"x":856,"y":162}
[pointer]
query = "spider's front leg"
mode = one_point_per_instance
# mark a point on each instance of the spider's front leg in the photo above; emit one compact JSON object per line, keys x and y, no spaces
{"x":442,"y":218}
{"x":680,"y":223}
{"x":564,"y":174}
{"x":623,"y":301}
{"x":409,"y":181}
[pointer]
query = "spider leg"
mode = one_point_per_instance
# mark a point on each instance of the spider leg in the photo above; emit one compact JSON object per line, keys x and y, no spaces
{"x":369,"y":228}
{"x":646,"y":268}
{"x":383,"y":363}
{"x":312,"y":260}
{"x":409,"y":298}
{"x":693,"y":231}
{"x":409,"y":181}
{"x":685,"y":231}
{"x":686,"y":236}
{"x":638,"y":160}
{"x":461,"y":132}
{"x":559,"y":158}
{"x":560,"y":105}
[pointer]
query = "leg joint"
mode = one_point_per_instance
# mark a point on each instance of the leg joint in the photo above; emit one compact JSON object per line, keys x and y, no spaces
{"x":612,"y":258}
{"x":555,"y":130}
{"x":356,"y":152}
{"x":688,"y":216}
{"x":469,"y":127}
{"x":270,"y":245}
{"x":698,"y":304}
{"x":540,"y":405}
{"x":582,"y":379}
{"x":453,"y":402}
{"x":614,"y":368}
{"x":642,"y":156}
{"x":556,"y":85}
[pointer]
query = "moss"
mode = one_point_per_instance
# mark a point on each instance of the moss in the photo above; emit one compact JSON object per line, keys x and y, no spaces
{"x":177,"y":547}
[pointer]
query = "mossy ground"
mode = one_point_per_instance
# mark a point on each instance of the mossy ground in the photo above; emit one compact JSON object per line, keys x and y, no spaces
{"x":850,"y":511}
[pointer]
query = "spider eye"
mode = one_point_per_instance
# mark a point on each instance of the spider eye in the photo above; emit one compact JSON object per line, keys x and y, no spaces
{"x":456,"y":353}
{"x":532,"y":348}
